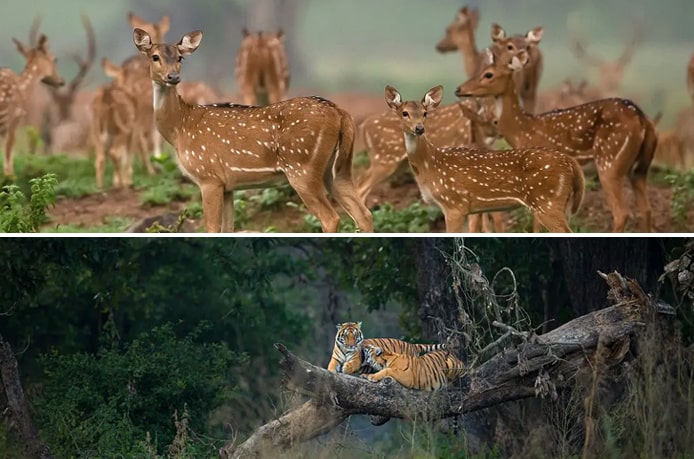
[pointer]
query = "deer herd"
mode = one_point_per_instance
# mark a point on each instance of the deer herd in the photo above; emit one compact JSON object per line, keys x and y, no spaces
{"x":309,"y":141}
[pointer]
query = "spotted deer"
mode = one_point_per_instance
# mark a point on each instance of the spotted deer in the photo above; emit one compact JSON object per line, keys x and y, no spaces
{"x":610,"y":72}
{"x":462,"y":180}
{"x":16,"y":89}
{"x":52,"y":110}
{"x":261,"y":67}
{"x":223,"y":147}
{"x":114,"y":117}
{"x":136,"y":70}
{"x":614,"y":133}
{"x":460,"y":35}
{"x":527,"y":79}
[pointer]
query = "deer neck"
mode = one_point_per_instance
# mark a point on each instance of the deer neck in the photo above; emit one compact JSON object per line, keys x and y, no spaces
{"x":28,"y":79}
{"x":471,"y":55}
{"x":419,"y":151}
{"x":169,"y":111}
{"x":512,"y":118}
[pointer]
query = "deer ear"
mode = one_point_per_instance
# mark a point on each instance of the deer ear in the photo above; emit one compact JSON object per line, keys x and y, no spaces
{"x":518,"y":61}
{"x":475,"y":17}
{"x":42,"y":43}
{"x":136,"y":21}
{"x":189,"y":42}
{"x":498,"y":32}
{"x":143,"y":42}
{"x":21,"y":47}
{"x":488,"y":58}
{"x":433,"y":97}
{"x":110,"y":70}
{"x":164,"y":25}
{"x":462,"y":15}
{"x":534,"y":36}
{"x":393,"y":98}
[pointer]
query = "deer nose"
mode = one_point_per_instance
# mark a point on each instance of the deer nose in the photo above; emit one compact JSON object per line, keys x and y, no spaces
{"x":173,"y":78}
{"x":458,"y":92}
{"x":419,"y":129}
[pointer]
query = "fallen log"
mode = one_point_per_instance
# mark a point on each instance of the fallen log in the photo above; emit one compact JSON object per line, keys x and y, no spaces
{"x":535,"y":368}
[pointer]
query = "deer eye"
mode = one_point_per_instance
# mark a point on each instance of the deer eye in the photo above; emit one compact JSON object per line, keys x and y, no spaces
{"x":488,"y":75}
{"x":405,"y":114}
{"x":155,"y":58}
{"x":510,"y":47}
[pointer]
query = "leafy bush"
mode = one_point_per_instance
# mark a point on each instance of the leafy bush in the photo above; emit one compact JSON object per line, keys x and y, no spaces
{"x":123,"y":393}
{"x":20,"y":216}
{"x":682,"y":195}
{"x":416,"y":218}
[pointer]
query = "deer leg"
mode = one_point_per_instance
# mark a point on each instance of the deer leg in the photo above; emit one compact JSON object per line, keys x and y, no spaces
{"x":455,"y":220}
{"x":554,"y":220}
{"x":375,"y":174}
{"x":638,"y":184}
{"x":99,"y":160}
{"x":9,"y":144}
{"x":156,"y":139}
{"x":212,"y":206}
{"x":346,"y":196}
{"x":314,"y":196}
{"x":228,"y":212}
{"x":473,"y":223}
{"x":613,"y":184}
{"x":499,"y":219}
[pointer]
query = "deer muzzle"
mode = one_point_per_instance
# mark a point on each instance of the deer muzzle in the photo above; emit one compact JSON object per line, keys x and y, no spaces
{"x":419,"y":129}
{"x":173,"y":78}
{"x":53,"y":80}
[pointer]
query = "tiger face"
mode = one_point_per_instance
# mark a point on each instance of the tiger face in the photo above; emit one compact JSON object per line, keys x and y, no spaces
{"x":349,"y":336}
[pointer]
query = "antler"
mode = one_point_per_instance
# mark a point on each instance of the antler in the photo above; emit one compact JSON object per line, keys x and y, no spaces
{"x":637,"y":35}
{"x":34,"y":31}
{"x":84,"y":64}
{"x":579,"y":49}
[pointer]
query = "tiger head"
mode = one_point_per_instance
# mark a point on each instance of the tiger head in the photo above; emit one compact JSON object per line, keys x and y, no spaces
{"x":349,"y":336}
{"x":379,"y":358}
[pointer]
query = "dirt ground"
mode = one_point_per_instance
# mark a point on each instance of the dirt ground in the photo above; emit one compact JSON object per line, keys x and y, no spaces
{"x":98,"y":209}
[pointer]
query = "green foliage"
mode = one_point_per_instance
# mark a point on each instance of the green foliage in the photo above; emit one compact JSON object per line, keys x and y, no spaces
{"x":20,"y":216}
{"x":126,"y":391}
{"x":416,"y":218}
{"x":682,"y":196}
{"x":111,"y":224}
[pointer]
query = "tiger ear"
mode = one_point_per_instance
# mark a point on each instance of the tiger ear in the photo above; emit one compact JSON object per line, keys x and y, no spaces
{"x":359,"y":325}
{"x":338,"y":326}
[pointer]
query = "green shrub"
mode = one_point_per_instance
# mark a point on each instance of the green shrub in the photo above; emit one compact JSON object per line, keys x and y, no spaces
{"x":125,"y":392}
{"x":21,"y":216}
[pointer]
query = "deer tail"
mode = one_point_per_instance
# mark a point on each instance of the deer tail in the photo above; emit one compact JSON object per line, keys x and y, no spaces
{"x":578,"y":186}
{"x":647,"y":150}
{"x":342,"y":162}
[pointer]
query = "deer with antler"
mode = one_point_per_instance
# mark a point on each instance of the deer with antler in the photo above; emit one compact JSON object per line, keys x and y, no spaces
{"x":460,"y":35}
{"x":16,"y":89}
{"x":52,"y":109}
{"x":463,"y":180}
{"x":114,"y":118}
{"x":613,"y":133}
{"x":223,"y":147}
{"x":611,"y":72}
{"x":262,"y":71}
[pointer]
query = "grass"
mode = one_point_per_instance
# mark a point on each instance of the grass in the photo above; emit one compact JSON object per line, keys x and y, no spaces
{"x":112,"y":224}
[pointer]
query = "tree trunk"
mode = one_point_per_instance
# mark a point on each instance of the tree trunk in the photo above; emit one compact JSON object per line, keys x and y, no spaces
{"x":640,"y":258}
{"x":18,"y":408}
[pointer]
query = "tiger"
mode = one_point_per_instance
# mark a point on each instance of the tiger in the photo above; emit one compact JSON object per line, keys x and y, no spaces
{"x":348,"y":356}
{"x":429,"y":372}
